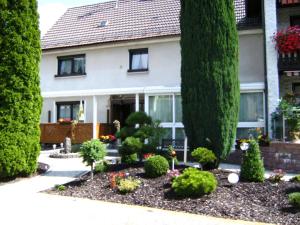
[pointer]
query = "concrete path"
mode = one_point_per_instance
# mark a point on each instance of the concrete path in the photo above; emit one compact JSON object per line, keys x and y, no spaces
{"x":20,"y":203}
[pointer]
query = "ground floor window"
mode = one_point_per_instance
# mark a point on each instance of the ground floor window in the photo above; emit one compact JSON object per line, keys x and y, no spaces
{"x":252,"y":114}
{"x":68,"y":110}
{"x":168,"y":110}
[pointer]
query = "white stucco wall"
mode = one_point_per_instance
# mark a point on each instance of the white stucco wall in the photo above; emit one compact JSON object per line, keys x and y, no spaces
{"x":107,"y":68}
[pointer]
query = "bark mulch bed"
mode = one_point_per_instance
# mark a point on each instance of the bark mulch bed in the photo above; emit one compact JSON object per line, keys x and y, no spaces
{"x":260,"y":202}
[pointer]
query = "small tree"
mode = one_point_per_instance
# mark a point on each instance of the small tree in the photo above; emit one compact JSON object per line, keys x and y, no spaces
{"x":92,"y":151}
{"x":252,"y":168}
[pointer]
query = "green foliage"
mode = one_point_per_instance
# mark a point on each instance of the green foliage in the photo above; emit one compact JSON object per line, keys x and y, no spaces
{"x":291,"y":112}
{"x":128,"y":185}
{"x":194,"y":183}
{"x":205,"y":157}
{"x":101,"y":167}
{"x":295,"y":179}
{"x":126,"y":132}
{"x":130,"y":159}
{"x":209,"y":74}
{"x":156,"y":166}
{"x":131,"y":145}
{"x":91,"y":152}
{"x":148,"y":148}
{"x":60,"y":187}
{"x":252,"y":168}
{"x":139,"y":118}
{"x":20,"y":99}
{"x":294,"y":199}
{"x":129,"y":150}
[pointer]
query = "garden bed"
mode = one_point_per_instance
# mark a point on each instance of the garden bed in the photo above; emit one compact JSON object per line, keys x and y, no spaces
{"x":261,"y":202}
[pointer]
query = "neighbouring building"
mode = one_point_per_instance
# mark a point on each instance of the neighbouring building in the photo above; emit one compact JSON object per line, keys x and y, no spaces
{"x":117,"y":57}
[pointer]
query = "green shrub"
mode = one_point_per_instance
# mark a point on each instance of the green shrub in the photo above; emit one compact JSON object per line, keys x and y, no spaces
{"x":148,"y":148}
{"x":101,"y":167}
{"x":252,"y":168}
{"x":205,"y":157}
{"x":60,"y":187}
{"x":20,"y":99}
{"x":76,"y":148}
{"x":156,"y":166}
{"x":126,"y":132}
{"x":295,"y":179}
{"x":128,"y":185}
{"x":129,"y":159}
{"x":294,"y":199}
{"x":140,"y":118}
{"x":131,"y":145}
{"x":92,"y":151}
{"x":194,"y":183}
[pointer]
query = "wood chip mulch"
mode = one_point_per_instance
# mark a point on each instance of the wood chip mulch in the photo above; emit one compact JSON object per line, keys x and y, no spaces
{"x":259,"y":202}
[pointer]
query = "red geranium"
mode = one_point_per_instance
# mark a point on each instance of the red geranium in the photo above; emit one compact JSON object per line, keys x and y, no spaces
{"x":288,"y":41}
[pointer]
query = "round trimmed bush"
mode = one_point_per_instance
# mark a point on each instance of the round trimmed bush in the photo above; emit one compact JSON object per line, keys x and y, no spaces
{"x":294,"y":199}
{"x":156,"y":166}
{"x":194,"y":183}
{"x":205,"y":157}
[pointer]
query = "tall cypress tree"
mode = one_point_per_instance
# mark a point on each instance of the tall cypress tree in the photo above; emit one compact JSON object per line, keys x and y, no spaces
{"x":210,"y":82}
{"x":20,"y":100}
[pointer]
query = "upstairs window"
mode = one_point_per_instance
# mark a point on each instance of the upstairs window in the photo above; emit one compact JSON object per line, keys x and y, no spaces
{"x":138,"y":60}
{"x":71,"y":65}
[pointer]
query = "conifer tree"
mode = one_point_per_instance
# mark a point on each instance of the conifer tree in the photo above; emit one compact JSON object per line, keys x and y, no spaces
{"x":210,"y":82}
{"x":20,"y":99}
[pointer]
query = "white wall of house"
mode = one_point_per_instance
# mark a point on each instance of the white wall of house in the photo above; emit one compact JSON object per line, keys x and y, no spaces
{"x":107,"y":67}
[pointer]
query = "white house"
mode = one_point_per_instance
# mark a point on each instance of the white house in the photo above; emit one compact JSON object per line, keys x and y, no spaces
{"x":123,"y":56}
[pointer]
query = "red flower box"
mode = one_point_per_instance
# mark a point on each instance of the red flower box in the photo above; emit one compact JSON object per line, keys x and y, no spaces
{"x":288,"y":41}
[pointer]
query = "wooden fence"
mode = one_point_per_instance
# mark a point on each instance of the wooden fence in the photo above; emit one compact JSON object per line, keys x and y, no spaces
{"x":53,"y":133}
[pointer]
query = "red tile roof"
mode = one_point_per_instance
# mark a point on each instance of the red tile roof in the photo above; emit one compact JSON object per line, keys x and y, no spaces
{"x":131,"y":20}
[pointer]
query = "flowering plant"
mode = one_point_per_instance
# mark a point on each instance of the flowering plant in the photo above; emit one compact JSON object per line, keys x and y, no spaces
{"x":173,"y":174}
{"x":108,"y":138}
{"x":115,"y":178}
{"x":65,"y":121}
{"x":148,"y":155}
{"x":288,"y":41}
{"x":277,"y":176}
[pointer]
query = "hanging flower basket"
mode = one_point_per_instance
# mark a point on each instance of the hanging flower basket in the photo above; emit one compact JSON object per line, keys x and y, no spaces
{"x":288,"y":41}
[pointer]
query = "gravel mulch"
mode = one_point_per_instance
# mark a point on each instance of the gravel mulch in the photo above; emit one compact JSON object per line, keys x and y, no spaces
{"x":260,"y":202}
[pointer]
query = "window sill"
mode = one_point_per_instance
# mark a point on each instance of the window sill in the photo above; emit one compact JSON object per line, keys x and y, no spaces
{"x":138,"y":71}
{"x":70,"y":76}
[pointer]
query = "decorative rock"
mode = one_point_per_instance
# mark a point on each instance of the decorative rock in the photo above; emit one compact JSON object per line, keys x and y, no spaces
{"x":67,"y":145}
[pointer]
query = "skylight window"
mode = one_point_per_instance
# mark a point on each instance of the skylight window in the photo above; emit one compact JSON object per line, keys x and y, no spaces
{"x":103,"y":23}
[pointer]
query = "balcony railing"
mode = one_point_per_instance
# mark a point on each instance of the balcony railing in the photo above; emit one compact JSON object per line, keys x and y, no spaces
{"x":289,"y":62}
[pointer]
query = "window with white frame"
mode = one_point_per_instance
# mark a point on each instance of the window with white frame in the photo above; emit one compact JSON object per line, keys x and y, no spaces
{"x":168,"y":110}
{"x":252,"y":113}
